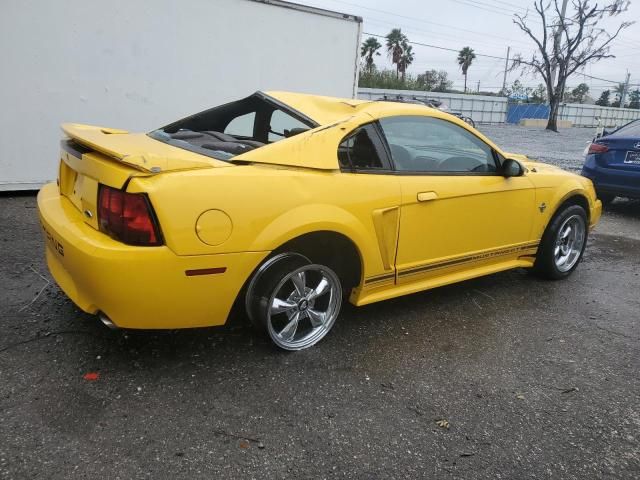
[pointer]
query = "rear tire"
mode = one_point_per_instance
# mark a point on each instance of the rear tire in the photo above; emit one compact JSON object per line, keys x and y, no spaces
{"x":563,"y":244}
{"x":294,"y":301}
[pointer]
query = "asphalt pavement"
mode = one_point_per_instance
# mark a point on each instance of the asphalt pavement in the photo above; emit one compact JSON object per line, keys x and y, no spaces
{"x":502,"y":377}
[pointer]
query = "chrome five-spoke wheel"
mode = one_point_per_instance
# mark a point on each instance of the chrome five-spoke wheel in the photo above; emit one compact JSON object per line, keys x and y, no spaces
{"x":569,"y":243}
{"x":562,"y":243}
{"x":303,"y":306}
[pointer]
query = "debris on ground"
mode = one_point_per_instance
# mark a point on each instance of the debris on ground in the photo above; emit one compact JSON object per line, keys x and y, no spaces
{"x":443,"y":423}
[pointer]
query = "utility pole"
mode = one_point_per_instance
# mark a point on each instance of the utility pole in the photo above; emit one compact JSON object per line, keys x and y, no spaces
{"x":478,"y":90}
{"x":556,"y":43}
{"x":625,"y":88}
{"x":506,"y":67}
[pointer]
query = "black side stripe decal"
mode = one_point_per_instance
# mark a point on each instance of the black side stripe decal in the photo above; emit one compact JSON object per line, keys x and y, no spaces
{"x":468,"y":259}
{"x":380,"y":278}
{"x":456,"y":261}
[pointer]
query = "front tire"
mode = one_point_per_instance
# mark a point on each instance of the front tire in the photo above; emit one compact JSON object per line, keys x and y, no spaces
{"x":563,"y":244}
{"x":296,"y":302}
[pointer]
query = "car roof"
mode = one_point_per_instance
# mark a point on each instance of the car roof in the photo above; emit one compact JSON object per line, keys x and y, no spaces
{"x":327,"y":110}
{"x":336,"y":117}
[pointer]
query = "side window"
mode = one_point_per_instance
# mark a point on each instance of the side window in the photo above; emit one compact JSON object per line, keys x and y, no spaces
{"x":284,"y":125}
{"x":242,"y":126}
{"x":432,"y":145}
{"x":361,"y":150}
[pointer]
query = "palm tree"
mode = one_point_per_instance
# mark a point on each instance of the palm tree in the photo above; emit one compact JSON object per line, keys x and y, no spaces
{"x":618,"y":89}
{"x":370,"y":48}
{"x":395,"y":40}
{"x":465,"y":57}
{"x":406,"y":58}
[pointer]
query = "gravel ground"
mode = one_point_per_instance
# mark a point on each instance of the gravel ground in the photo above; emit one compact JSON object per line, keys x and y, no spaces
{"x":535,"y":379}
{"x":564,"y":149}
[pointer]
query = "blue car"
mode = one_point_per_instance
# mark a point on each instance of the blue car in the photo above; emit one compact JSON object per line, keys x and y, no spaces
{"x":612,"y":162}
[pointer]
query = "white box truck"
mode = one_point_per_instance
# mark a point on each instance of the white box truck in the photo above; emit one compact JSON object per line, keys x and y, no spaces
{"x":140,"y":65}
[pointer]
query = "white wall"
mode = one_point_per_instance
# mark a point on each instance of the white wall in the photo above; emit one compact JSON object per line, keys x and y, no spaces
{"x":488,"y":109}
{"x":582,"y":115}
{"x":142,"y":64}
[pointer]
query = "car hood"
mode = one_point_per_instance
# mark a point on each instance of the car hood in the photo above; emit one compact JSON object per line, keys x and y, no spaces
{"x":535,"y":165}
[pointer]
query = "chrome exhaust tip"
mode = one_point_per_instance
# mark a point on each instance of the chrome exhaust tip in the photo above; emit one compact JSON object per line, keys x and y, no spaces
{"x":107,"y":321}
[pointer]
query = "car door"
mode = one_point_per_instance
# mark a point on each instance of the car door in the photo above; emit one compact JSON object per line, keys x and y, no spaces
{"x":457,"y":210}
{"x":374,"y":197}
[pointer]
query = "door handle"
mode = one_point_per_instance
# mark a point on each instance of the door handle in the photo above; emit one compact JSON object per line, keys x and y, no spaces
{"x":426,"y":196}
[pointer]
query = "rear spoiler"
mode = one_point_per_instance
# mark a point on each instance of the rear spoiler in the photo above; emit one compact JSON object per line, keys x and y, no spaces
{"x":136,"y":150}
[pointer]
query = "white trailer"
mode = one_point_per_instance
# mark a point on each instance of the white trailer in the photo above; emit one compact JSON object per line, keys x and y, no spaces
{"x":140,"y":65}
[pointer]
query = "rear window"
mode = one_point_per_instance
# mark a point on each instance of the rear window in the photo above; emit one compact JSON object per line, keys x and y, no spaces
{"x":629,"y":130}
{"x":283,"y":125}
{"x":234,"y":128}
{"x":242,"y":126}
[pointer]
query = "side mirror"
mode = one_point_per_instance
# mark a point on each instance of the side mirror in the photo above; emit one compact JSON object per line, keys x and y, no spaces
{"x":512,"y":168}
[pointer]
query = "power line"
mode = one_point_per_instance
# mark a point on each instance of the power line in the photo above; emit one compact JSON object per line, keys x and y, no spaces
{"x":445,"y":26}
{"x":512,"y":5}
{"x":436,"y":46}
{"x":484,"y":6}
{"x":598,"y":78}
{"x":437,"y":36}
{"x":422,"y":20}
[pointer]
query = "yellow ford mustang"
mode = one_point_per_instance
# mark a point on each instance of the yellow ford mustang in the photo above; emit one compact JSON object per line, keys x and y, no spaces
{"x":282,"y":204}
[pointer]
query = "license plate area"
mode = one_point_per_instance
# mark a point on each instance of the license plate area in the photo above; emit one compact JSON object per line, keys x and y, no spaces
{"x":632,"y":158}
{"x":67,"y":179}
{"x":80,"y":189}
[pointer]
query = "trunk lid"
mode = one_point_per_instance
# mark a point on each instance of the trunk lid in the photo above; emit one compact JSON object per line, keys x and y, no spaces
{"x":623,"y":154}
{"x":95,"y":155}
{"x":138,"y":150}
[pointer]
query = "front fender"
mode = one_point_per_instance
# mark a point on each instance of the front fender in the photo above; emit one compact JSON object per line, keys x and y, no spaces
{"x":551,"y":197}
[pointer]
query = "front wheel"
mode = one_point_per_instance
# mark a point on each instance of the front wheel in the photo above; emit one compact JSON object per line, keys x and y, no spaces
{"x":563,"y":243}
{"x":296,"y":302}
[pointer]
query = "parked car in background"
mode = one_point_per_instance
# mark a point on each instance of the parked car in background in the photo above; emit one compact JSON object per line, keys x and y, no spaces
{"x":281,"y":204}
{"x":612,"y":162}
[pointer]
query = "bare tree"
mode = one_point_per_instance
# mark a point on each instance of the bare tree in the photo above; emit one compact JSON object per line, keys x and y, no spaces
{"x":566,"y":43}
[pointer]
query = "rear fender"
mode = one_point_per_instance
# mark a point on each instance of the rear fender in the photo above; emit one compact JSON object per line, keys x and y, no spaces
{"x":313,"y":218}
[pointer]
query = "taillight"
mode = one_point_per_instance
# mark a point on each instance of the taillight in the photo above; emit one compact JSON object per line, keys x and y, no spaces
{"x":597,"y":148}
{"x":127,"y":217}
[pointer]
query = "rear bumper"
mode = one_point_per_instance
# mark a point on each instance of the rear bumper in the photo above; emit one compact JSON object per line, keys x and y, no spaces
{"x":137,"y":287}
{"x":613,"y":181}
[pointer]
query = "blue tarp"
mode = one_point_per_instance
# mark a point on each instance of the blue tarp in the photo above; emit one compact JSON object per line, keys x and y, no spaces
{"x":515,"y":112}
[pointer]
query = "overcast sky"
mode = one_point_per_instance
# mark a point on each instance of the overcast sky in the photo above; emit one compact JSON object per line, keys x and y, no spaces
{"x":487,"y":27}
